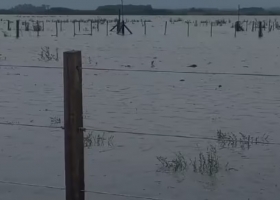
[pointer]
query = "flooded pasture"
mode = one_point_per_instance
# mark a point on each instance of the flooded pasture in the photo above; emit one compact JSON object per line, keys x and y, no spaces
{"x":165,"y":142}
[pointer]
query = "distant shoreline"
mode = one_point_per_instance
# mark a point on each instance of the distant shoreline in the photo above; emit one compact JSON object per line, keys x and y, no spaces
{"x":28,"y":9}
{"x":94,"y":14}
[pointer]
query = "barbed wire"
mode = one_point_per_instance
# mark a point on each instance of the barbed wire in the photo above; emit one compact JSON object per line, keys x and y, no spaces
{"x":30,"y":125}
{"x":86,"y":191}
{"x":150,"y":71}
{"x":171,"y":136}
{"x":130,"y":132}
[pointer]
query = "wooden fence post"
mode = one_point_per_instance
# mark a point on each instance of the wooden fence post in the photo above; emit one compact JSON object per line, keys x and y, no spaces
{"x":188,"y":28}
{"x":17,"y":28}
{"x":56,"y":28}
{"x":61,"y":26}
{"x":165,"y":29}
{"x":73,"y":126}
{"x":211,"y":29}
{"x":80,"y":26}
{"x":38,"y":29}
{"x":9,"y":27}
{"x":107,"y":29}
{"x":260,"y":29}
{"x":74,"y":24}
{"x":236,"y":26}
{"x":91,"y":28}
{"x":145,"y":28}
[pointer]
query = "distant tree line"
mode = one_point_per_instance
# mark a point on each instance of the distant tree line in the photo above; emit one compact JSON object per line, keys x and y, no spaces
{"x":134,"y":10}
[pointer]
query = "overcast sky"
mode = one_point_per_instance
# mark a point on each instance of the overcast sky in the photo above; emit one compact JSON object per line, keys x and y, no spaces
{"x":92,"y":4}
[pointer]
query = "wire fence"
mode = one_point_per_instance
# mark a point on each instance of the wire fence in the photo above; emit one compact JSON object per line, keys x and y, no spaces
{"x":150,"y":71}
{"x":124,"y":132}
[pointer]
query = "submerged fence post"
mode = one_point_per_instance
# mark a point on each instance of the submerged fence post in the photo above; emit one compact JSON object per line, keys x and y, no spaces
{"x":56,"y":28}
{"x":9,"y":27}
{"x":211,"y":32}
{"x":74,"y":24}
{"x":236,"y":26}
{"x":38,"y":29}
{"x":253,"y":26}
{"x":107,"y":28}
{"x":260,"y":29}
{"x":145,"y":28}
{"x":79,"y":26}
{"x":188,"y":28}
{"x":91,"y":27}
{"x":73,"y":124}
{"x":165,"y":29}
{"x":60,"y":26}
{"x":97,"y":26}
{"x":17,"y":28}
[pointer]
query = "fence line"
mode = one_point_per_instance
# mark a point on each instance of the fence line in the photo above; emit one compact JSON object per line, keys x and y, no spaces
{"x":171,"y":136}
{"x":74,"y":128}
{"x":30,"y":125}
{"x":151,"y":71}
{"x":87,"y":191}
{"x":131,"y":133}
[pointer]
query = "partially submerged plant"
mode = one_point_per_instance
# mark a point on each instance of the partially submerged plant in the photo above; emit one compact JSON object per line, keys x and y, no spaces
{"x":98,"y":140}
{"x":242,"y":140}
{"x":5,"y":34}
{"x":55,"y":120}
{"x":206,"y":163}
{"x":46,"y":55}
{"x":177,"y":164}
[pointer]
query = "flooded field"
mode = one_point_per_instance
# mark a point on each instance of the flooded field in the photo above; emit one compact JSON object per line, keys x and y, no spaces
{"x":189,"y":159}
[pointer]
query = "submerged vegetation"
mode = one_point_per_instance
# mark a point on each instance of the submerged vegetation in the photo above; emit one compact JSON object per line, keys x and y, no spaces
{"x":240,"y":140}
{"x":206,"y":163}
{"x":99,"y":140}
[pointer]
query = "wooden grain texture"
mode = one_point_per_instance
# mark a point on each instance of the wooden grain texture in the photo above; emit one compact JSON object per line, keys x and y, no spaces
{"x":73,"y":123}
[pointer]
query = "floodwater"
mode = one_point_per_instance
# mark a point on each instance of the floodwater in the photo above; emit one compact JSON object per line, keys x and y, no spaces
{"x":195,"y":105}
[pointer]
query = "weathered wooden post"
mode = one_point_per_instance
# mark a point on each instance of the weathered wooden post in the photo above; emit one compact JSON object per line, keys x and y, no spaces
{"x":253,"y":26}
{"x":56,"y":28}
{"x":260,"y":29}
{"x":235,"y":28}
{"x":165,"y":28}
{"x":145,"y":28}
{"x":79,"y":25}
{"x":73,"y":126}
{"x":97,"y":26}
{"x":91,"y":27}
{"x":188,"y":29}
{"x":61,"y":26}
{"x":17,"y":28}
{"x":107,"y":28}
{"x":38,"y":29}
{"x":247,"y":25}
{"x":26,"y":26}
{"x":264,"y":25}
{"x":9,"y":25}
{"x":74,"y":24}
{"x":211,"y":29}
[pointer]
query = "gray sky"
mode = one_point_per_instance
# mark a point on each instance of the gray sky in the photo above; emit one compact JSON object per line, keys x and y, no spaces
{"x":92,"y":4}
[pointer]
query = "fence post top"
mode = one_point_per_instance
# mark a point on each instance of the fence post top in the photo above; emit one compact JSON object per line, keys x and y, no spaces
{"x":72,"y":52}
